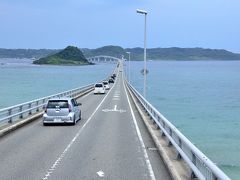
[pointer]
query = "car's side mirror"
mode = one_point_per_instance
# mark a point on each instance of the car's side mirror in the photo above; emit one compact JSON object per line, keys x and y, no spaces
{"x":79,"y":104}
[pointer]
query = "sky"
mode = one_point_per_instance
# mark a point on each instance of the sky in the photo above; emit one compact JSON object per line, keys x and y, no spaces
{"x":55,"y":24}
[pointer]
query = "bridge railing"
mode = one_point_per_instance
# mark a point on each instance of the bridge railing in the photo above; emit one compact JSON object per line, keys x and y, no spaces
{"x":20,"y":111}
{"x":17,"y":112}
{"x":201,"y":166}
{"x":103,"y":58}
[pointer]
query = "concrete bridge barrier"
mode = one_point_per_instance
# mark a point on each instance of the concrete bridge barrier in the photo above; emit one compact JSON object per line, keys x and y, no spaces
{"x":183,"y":159}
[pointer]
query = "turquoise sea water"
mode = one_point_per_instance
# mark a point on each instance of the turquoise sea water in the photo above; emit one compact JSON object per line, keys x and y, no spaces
{"x":201,"y":98}
{"x":20,"y":81}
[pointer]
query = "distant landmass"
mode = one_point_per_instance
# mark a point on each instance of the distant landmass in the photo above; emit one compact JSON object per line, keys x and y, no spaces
{"x":69,"y":56}
{"x":173,"y":53}
{"x":26,"y":53}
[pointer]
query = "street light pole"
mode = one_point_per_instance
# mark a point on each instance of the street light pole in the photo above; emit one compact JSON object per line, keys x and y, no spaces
{"x":145,"y":50}
{"x":124,"y":65}
{"x":128,"y":66}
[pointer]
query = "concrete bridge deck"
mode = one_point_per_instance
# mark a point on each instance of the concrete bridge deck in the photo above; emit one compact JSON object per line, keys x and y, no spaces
{"x":110,"y":142}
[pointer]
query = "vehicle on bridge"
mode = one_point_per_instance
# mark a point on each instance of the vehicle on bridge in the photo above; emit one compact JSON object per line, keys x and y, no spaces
{"x":106,"y":85}
{"x":99,"y":88}
{"x":110,"y":80}
{"x":62,"y":110}
{"x":113,"y":77}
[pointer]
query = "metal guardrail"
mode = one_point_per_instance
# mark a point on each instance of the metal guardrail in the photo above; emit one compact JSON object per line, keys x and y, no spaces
{"x":20,"y":111}
{"x":202,"y":167}
{"x":14,"y":113}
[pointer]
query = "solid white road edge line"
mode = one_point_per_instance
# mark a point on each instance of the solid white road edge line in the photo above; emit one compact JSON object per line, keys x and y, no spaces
{"x":149,"y":166}
{"x":59,"y":159}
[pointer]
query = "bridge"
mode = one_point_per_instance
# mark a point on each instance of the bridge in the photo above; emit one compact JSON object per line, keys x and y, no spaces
{"x":103,"y":59}
{"x":120,"y":136}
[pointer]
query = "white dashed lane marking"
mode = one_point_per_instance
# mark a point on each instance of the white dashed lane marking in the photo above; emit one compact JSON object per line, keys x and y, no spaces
{"x":116,"y":96}
{"x":58,"y":161}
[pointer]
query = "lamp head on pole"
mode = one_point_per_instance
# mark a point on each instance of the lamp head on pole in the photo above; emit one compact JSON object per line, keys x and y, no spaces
{"x":141,"y":11}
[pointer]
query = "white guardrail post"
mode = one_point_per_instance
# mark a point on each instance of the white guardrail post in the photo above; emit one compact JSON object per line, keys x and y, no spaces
{"x":202,"y":167}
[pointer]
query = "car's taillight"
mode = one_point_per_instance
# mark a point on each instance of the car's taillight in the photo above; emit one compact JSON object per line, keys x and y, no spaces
{"x":69,"y":108}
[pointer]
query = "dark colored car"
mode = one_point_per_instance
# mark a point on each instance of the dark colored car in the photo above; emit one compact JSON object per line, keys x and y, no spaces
{"x":110,"y":80}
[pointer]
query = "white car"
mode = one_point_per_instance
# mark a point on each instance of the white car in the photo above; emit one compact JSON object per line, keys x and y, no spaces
{"x":106,"y":85}
{"x":99,"y":88}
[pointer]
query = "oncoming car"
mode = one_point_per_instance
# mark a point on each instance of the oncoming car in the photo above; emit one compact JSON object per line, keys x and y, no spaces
{"x":106,"y":85}
{"x":99,"y":88}
{"x":62,"y":110}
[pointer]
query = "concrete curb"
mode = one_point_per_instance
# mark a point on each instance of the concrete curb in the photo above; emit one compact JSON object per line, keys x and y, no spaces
{"x":26,"y":121}
{"x":166,"y":159}
{"x":20,"y":124}
{"x":84,"y":93}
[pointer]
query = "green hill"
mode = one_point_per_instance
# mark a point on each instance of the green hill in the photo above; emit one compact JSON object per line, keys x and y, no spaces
{"x":26,"y":53}
{"x":175,"y":53}
{"x":115,"y":51}
{"x":69,"y":56}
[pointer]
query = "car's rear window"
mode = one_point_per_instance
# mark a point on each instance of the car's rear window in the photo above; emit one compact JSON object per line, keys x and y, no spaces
{"x":105,"y":83}
{"x":57,"y":104}
{"x":98,"y":85}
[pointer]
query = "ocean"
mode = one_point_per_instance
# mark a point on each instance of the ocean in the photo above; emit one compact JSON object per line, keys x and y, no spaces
{"x":21,"y":81}
{"x":201,"y":98}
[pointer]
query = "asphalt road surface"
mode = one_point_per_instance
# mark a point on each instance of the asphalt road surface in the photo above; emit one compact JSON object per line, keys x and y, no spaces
{"x":110,"y":142}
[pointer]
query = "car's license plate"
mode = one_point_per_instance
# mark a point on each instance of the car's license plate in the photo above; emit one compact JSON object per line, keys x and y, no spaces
{"x":57,"y":120}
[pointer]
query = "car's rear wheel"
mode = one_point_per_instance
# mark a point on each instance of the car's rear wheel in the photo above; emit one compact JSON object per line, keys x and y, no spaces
{"x":80,"y":116}
{"x":74,"y":121}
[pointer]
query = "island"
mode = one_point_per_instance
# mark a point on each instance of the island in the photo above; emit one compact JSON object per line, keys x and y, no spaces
{"x":69,"y":56}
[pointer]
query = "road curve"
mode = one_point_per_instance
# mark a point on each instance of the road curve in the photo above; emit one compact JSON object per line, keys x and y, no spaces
{"x":110,"y":142}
